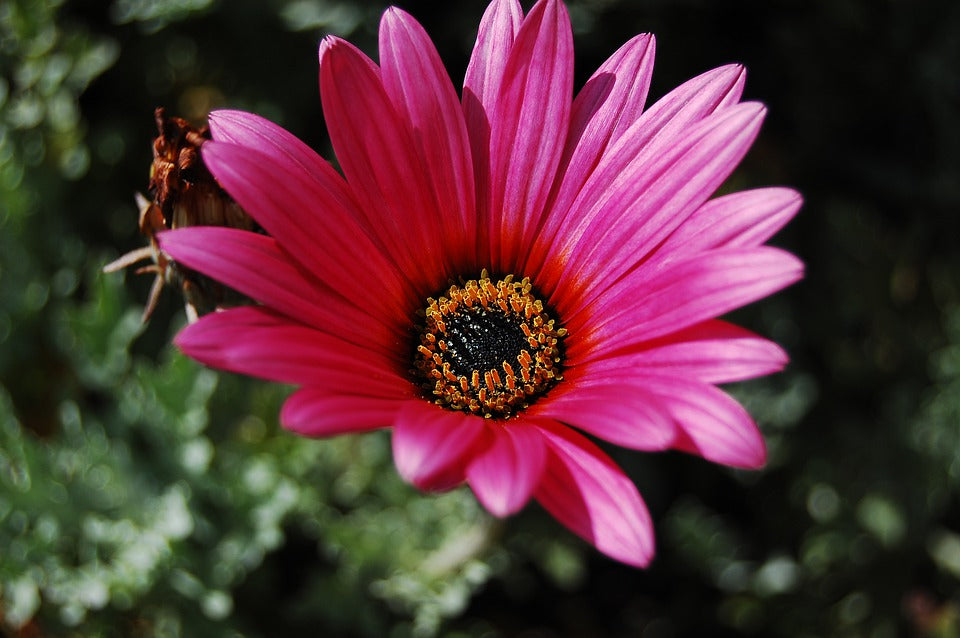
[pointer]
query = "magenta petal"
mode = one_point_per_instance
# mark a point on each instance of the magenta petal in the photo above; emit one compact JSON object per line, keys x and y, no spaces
{"x":716,"y":426}
{"x":712,"y":352}
{"x":262,"y":343}
{"x":621,"y":413}
{"x":498,"y":28}
{"x":253,"y":131}
{"x":652,"y":135}
{"x":668,"y":119}
{"x":252,"y":264}
{"x":690,"y":102}
{"x":315,"y":411}
{"x":528,"y":127}
{"x":417,"y":83}
{"x":689,"y":292}
{"x":299,"y":209}
{"x":433,"y":446}
{"x":481,"y":86}
{"x":583,"y":489}
{"x":611,"y":101}
{"x":603,"y":111}
{"x":646,"y":196}
{"x":378,"y":154}
{"x":738,"y":220}
{"x":505,"y":475}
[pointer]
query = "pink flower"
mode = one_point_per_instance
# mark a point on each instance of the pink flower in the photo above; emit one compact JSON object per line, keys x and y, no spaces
{"x":495,"y":275}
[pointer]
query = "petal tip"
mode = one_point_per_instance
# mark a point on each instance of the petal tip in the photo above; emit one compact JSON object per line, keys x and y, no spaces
{"x":225,"y":115}
{"x":499,"y":507}
{"x":212,"y":154}
{"x":779,"y":358}
{"x":733,"y":77}
{"x":751,"y":112}
{"x":220,"y":120}
{"x":794,"y":267}
{"x":641,"y":556}
{"x":163,"y":238}
{"x":735,"y":71}
{"x":794,"y":195}
{"x":184,"y":340}
{"x":754,"y":457}
{"x":394,"y":13}
{"x":328,"y":44}
{"x":227,"y":123}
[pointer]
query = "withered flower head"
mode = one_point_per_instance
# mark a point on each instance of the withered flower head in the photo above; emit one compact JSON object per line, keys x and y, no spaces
{"x":184,"y":193}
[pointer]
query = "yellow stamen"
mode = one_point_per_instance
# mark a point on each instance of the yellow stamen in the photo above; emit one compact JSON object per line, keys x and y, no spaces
{"x":472,"y":332}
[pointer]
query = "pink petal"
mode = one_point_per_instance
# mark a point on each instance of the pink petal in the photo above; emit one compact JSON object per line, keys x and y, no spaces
{"x":692,"y":101}
{"x":621,"y":413}
{"x":299,"y":209}
{"x":378,"y":155}
{"x":528,"y":127}
{"x":261,"y":343}
{"x":315,"y":411}
{"x":505,"y":475}
{"x":603,"y":112}
{"x":716,"y":426}
{"x":583,"y":489}
{"x":651,"y":135}
{"x":256,"y":266}
{"x":481,"y":86}
{"x":712,"y":352}
{"x":738,"y":220}
{"x":498,"y":28}
{"x":608,"y":104}
{"x":420,"y":89}
{"x":253,"y":131}
{"x":649,"y":196}
{"x":703,"y":287}
{"x":432,"y":446}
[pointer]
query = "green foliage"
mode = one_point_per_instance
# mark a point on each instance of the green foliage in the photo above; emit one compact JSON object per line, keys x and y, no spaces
{"x":143,"y":513}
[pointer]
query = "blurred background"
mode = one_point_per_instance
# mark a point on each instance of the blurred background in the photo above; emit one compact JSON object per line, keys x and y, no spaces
{"x":141,"y":495}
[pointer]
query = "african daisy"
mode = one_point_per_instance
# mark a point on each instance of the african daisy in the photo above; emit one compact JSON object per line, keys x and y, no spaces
{"x":493,"y":277}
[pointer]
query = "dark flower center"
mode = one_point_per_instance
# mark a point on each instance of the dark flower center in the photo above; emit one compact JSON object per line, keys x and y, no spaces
{"x":488,"y":348}
{"x":482,"y":340}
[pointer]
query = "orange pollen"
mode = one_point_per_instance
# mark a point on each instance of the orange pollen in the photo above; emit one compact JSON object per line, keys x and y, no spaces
{"x":488,"y":347}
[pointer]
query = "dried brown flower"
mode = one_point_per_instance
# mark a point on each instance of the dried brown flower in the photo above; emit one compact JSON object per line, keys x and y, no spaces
{"x":183,"y":193}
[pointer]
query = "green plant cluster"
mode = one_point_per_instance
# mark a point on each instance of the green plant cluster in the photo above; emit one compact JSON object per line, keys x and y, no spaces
{"x":143,"y":495}
{"x":143,"y":516}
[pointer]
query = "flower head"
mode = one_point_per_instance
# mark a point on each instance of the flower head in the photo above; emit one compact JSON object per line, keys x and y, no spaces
{"x":495,"y":276}
{"x":183,"y":193}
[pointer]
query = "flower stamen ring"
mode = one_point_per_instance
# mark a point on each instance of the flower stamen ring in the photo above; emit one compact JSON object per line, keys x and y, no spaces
{"x":488,"y":348}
